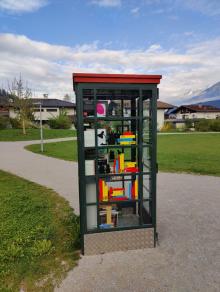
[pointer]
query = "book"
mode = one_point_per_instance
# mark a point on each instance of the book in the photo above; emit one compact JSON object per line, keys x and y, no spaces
{"x":100,"y":190}
{"x":122,"y":164}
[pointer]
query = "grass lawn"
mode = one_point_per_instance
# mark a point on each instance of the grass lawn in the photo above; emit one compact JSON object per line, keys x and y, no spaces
{"x":34,"y":134}
{"x":196,"y":153}
{"x":64,"y":150}
{"x":193,"y":153}
{"x":38,"y":236}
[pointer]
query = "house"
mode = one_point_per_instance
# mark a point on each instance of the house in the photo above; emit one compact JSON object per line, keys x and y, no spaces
{"x":50,"y":107}
{"x":162,"y":108}
{"x":196,"y":111}
{"x":178,"y":116}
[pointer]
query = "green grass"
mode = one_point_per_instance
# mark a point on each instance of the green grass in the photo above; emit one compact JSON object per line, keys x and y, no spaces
{"x":34,"y":134}
{"x":64,"y":150}
{"x":192,"y":153}
{"x":38,"y":236}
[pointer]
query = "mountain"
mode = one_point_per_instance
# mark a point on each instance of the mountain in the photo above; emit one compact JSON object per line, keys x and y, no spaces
{"x":215,"y":103}
{"x":212,"y":93}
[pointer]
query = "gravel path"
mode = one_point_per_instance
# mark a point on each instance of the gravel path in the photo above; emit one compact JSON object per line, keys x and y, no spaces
{"x":188,"y":256}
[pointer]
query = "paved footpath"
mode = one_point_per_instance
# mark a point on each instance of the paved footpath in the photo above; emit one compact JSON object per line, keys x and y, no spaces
{"x":188,"y":256}
{"x":60,"y":175}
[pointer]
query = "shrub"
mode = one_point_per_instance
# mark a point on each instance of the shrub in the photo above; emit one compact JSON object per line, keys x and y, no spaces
{"x":15,"y":123}
{"x":4,"y":123}
{"x":60,"y":122}
{"x":215,"y":126}
{"x":167,"y":127}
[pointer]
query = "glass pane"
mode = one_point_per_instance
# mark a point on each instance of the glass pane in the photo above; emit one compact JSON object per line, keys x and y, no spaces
{"x":147,"y":217}
{"x":146,"y":186}
{"x":146,"y":159}
{"x":91,"y":192}
{"x":91,"y":216}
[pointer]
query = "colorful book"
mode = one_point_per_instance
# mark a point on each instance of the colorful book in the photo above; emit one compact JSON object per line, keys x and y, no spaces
{"x":109,"y":215}
{"x":100,"y":190}
{"x":136,"y":189}
{"x":122,"y":162}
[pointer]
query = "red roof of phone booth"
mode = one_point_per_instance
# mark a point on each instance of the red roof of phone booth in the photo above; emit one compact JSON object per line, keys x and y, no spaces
{"x":115,"y":78}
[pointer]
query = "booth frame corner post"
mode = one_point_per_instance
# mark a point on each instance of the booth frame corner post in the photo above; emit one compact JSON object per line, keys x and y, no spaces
{"x":117,"y":169}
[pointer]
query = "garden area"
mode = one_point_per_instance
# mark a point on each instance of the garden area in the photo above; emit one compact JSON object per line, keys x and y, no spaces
{"x":192,"y":153}
{"x":38,"y":230}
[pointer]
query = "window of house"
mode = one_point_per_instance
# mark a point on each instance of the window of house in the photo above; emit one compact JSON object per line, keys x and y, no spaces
{"x":51,"y":109}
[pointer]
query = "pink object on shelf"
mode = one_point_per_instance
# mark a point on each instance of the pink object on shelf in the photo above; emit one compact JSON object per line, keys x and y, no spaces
{"x":101,"y":109}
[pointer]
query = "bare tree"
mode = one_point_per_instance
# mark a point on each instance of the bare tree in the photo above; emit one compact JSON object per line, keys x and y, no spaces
{"x":22,"y":101}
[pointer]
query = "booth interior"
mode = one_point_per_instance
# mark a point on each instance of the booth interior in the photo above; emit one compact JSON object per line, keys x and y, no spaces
{"x":117,"y":153}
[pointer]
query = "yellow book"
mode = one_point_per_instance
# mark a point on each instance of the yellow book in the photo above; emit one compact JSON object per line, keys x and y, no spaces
{"x":105,"y":192}
{"x":136,"y":189}
{"x":127,"y":143}
{"x":130,"y":164}
{"x":117,"y":193}
{"x":109,"y":215}
{"x":122,"y":162}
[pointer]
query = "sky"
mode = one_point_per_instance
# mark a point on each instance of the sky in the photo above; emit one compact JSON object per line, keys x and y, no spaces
{"x":47,"y":40}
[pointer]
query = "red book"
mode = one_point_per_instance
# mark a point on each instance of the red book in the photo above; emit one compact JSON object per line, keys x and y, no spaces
{"x":131,"y":169}
{"x":119,"y":199}
{"x":114,"y":165}
{"x":128,"y":133}
{"x":133,"y":191}
{"x":119,"y":166}
{"x":100,"y":190}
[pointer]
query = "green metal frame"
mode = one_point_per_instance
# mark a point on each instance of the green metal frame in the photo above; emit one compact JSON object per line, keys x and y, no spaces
{"x":135,"y":120}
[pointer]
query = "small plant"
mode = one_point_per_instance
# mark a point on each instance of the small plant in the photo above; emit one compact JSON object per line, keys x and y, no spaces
{"x":15,"y":123}
{"x":167,"y":127}
{"x":60,"y":122}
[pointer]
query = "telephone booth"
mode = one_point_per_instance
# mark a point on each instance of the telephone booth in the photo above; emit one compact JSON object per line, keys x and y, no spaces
{"x":117,"y":145}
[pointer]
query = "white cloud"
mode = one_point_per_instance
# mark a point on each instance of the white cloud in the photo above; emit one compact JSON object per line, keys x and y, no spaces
{"x":135,"y":11}
{"x":20,"y":6}
{"x":107,"y":3}
{"x":48,"y":68}
{"x":209,"y":7}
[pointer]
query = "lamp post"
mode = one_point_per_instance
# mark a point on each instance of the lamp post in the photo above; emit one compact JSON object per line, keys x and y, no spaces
{"x":41,"y":127}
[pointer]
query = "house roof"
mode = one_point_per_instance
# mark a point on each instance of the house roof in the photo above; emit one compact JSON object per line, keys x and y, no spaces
{"x":115,"y":78}
{"x":164,"y":105}
{"x":53,"y":102}
{"x":198,"y":108}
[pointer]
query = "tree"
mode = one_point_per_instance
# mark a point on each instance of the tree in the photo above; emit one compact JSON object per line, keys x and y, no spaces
{"x":22,"y":101}
{"x":67,"y":97}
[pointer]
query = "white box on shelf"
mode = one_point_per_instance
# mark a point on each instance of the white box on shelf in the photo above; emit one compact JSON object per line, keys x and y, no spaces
{"x":90,"y":167}
{"x":89,"y":137}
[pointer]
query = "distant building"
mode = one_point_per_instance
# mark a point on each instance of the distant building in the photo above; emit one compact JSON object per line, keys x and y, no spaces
{"x":178,"y":116}
{"x":195,"y":111}
{"x":51,"y":107}
{"x":162,"y":108}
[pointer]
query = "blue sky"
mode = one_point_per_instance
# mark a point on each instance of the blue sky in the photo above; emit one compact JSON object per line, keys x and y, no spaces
{"x":46,"y":40}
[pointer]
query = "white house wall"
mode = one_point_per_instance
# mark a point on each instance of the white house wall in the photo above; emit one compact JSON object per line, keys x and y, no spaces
{"x":160,"y":118}
{"x":47,"y":113}
{"x":198,"y":115}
